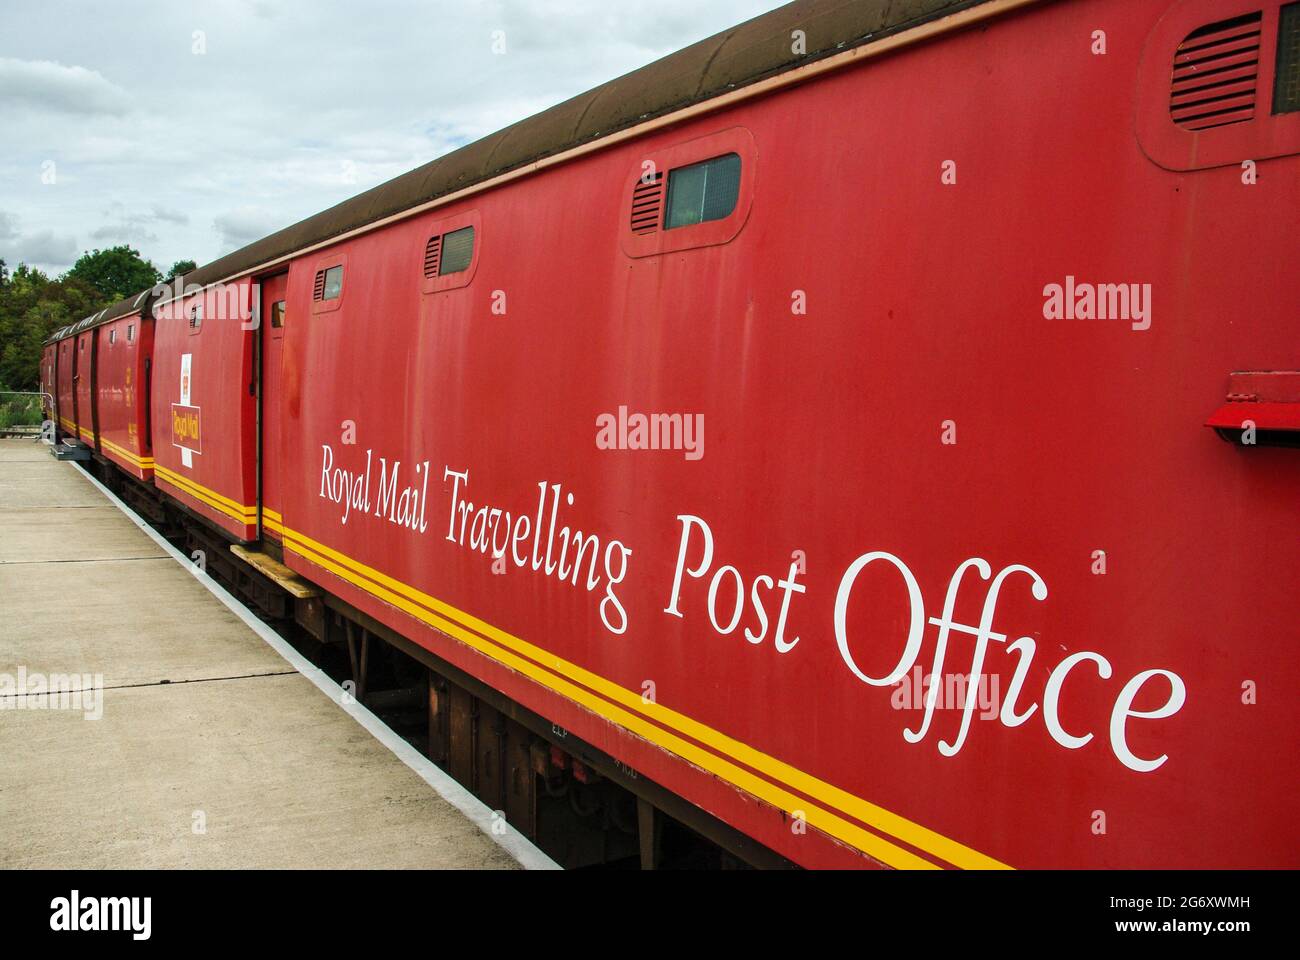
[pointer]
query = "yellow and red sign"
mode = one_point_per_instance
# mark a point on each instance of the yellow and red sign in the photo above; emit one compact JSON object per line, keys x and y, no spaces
{"x":187,"y":427}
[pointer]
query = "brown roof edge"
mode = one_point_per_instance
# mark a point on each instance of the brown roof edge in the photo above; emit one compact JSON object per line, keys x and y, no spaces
{"x":737,"y":57}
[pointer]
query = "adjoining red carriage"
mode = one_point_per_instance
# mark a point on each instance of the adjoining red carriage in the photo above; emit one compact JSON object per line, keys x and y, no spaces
{"x":959,"y":577}
{"x":204,"y":402}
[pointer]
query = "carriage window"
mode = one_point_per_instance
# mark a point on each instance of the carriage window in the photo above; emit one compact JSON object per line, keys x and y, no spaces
{"x":333,"y":283}
{"x":130,"y":333}
{"x":457,"y":251}
{"x":1286,"y":82}
{"x":703,"y":191}
{"x":112,"y":336}
{"x":277,"y":315}
{"x":81,"y":345}
{"x":196,"y":316}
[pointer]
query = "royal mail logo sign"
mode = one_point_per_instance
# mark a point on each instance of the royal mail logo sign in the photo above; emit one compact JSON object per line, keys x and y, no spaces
{"x":187,"y":420}
{"x":187,"y":428}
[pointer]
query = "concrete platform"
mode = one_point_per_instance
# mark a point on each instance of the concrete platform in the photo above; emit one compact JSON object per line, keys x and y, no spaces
{"x":212,"y":749}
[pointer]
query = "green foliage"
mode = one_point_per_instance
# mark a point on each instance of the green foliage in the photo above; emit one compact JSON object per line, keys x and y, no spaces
{"x":182,"y":267}
{"x":19,"y":410}
{"x":33,"y":306}
{"x":116,"y":272}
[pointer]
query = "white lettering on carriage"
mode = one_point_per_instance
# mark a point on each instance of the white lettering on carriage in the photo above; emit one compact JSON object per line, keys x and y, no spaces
{"x":400,"y":504}
{"x":737,"y":600}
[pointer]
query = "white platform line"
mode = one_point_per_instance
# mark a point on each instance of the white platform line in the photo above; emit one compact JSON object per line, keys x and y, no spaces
{"x":495,"y":826}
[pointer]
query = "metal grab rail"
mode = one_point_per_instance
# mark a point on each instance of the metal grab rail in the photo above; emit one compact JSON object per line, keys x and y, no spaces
{"x":12,"y":407}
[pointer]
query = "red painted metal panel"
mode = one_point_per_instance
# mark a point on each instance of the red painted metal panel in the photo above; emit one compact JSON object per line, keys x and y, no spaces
{"x":272,"y":329}
{"x":84,"y":379}
{"x":124,"y":352}
{"x":204,"y":407}
{"x":65,"y":390}
{"x":832,"y":494}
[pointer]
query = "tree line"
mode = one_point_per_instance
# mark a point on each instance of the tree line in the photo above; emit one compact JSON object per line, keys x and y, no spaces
{"x":34,"y":305}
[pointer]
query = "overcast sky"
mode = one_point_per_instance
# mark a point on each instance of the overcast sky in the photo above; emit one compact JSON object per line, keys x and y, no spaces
{"x":113,"y":129}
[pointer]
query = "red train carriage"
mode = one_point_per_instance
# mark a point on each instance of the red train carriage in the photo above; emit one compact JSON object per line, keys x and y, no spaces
{"x":98,"y":374}
{"x":123,"y":364}
{"x":832,"y":539}
{"x":49,"y":380}
{"x":65,"y":393}
{"x":84,"y":345}
{"x":273,"y":299}
{"x":818,"y":430}
{"x":204,"y":407}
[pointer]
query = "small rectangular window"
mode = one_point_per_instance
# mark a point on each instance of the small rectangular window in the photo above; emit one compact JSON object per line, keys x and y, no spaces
{"x":130,"y":333}
{"x":196,"y":316}
{"x":112,"y":336}
{"x":277,"y":315}
{"x":333,"y":288}
{"x":81,"y":345}
{"x":457,"y":251}
{"x":1286,"y":83}
{"x":703,"y":191}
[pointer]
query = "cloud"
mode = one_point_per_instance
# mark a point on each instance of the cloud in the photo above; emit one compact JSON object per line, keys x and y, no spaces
{"x":44,"y":249}
{"x":50,"y":86}
{"x":47,"y":249}
{"x":163,"y":215}
{"x":281,"y":118}
{"x":242,"y":226}
{"x":129,"y":233}
{"x":136,"y":227}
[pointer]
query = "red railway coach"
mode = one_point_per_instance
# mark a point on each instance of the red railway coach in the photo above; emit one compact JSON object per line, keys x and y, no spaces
{"x":97,"y":372}
{"x":204,"y":406}
{"x":65,"y":393}
{"x":49,"y":379}
{"x":84,"y":350}
{"x":122,"y":369}
{"x":814,"y":421}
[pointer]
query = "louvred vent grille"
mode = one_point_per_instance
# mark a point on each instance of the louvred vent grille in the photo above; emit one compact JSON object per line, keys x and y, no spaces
{"x":432,"y":256}
{"x":1215,"y":72}
{"x":647,"y":204}
{"x":319,"y":292}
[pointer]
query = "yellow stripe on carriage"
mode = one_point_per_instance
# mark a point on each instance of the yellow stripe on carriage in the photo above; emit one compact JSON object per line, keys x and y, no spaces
{"x":244,"y":514}
{"x":850,"y":833}
{"x":144,"y":463}
{"x":877,"y":817}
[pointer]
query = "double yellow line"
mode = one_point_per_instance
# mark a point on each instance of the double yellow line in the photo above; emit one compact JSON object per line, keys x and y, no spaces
{"x":130,"y":456}
{"x":723,"y":758}
{"x":880,"y":833}
{"x":272,"y":521}
{"x":241,"y":513}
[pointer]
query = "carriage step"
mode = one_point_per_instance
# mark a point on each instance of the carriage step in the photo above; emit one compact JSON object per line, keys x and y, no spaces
{"x":275,"y":570}
{"x":70,"y":451}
